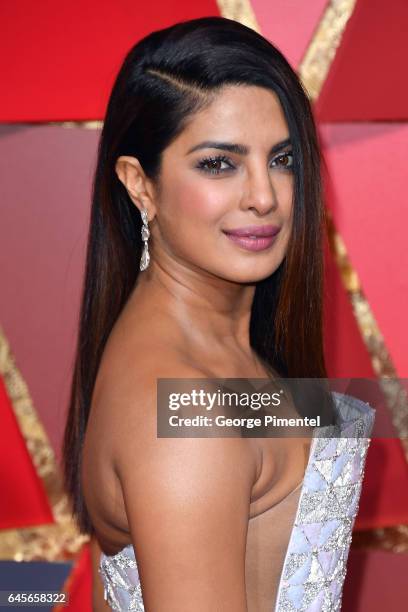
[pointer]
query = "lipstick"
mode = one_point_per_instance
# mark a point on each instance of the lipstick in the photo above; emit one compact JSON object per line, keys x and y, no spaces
{"x":253,"y":237}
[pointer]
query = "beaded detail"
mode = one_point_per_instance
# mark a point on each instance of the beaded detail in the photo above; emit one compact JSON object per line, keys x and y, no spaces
{"x":315,"y":563}
{"x":120,"y":576}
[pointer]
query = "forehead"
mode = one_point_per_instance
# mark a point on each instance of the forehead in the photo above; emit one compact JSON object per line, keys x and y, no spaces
{"x":249,"y":115}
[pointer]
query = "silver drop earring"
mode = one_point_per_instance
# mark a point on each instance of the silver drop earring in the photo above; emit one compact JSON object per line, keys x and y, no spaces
{"x":145,"y":259}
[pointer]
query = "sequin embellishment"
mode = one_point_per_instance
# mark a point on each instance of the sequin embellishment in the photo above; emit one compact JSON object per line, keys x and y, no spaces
{"x":315,"y":563}
{"x":120,"y":577}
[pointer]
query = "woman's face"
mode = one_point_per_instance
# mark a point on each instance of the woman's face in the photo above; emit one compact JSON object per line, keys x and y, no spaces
{"x":227,"y":178}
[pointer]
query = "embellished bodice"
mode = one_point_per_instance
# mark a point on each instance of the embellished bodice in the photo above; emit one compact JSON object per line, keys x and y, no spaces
{"x":314,"y":565}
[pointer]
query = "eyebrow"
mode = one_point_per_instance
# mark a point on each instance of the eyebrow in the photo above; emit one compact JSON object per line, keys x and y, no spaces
{"x":231,"y":147}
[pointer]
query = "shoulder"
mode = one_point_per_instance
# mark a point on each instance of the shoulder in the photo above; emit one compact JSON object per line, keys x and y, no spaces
{"x":140,"y":399}
{"x":187,"y":503}
{"x":187,"y":500}
{"x":127,"y":405}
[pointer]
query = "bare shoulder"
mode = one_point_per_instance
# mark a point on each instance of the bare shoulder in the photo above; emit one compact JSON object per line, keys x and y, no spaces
{"x":187,"y":502}
{"x":132,"y":403}
{"x":125,"y":388}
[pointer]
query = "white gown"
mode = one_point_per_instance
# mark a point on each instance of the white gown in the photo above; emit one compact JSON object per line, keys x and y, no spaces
{"x":296,"y":551}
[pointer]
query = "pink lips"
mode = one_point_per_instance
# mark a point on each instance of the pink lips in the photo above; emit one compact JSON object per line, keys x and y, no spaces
{"x":253,"y":237}
{"x":254,"y":230}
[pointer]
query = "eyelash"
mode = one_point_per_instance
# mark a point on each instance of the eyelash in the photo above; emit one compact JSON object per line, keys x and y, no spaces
{"x":222,"y":158}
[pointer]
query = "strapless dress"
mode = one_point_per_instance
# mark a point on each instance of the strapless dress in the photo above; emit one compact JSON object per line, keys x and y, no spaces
{"x":296,"y":551}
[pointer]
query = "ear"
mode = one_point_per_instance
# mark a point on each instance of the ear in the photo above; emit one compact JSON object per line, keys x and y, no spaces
{"x":138,"y":185}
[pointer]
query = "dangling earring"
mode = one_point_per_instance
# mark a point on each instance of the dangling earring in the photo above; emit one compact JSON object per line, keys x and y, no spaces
{"x":145,"y":259}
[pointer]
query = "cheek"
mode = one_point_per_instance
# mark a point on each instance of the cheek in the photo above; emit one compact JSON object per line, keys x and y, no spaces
{"x":194,"y":198}
{"x":285,"y":187}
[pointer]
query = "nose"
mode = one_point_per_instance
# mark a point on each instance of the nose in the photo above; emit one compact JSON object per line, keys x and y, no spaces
{"x":260,"y":194}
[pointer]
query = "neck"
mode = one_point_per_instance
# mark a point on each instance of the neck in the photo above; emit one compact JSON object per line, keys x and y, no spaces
{"x":211,"y":312}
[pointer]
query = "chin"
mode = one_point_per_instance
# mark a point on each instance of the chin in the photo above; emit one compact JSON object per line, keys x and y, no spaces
{"x":250,"y":276}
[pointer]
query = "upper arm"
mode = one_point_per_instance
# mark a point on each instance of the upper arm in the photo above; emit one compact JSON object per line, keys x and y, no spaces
{"x":187,"y":502}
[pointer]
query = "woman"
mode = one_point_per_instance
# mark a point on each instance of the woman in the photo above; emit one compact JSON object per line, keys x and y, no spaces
{"x":205,"y":261}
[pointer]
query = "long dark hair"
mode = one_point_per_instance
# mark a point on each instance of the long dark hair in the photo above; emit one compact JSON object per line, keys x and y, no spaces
{"x":164,"y":80}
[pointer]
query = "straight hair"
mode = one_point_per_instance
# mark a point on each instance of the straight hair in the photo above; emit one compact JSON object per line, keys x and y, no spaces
{"x":165,"y":79}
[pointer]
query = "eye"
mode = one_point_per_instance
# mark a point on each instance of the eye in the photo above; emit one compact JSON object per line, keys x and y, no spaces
{"x":215,"y":165}
{"x":284,"y":160}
